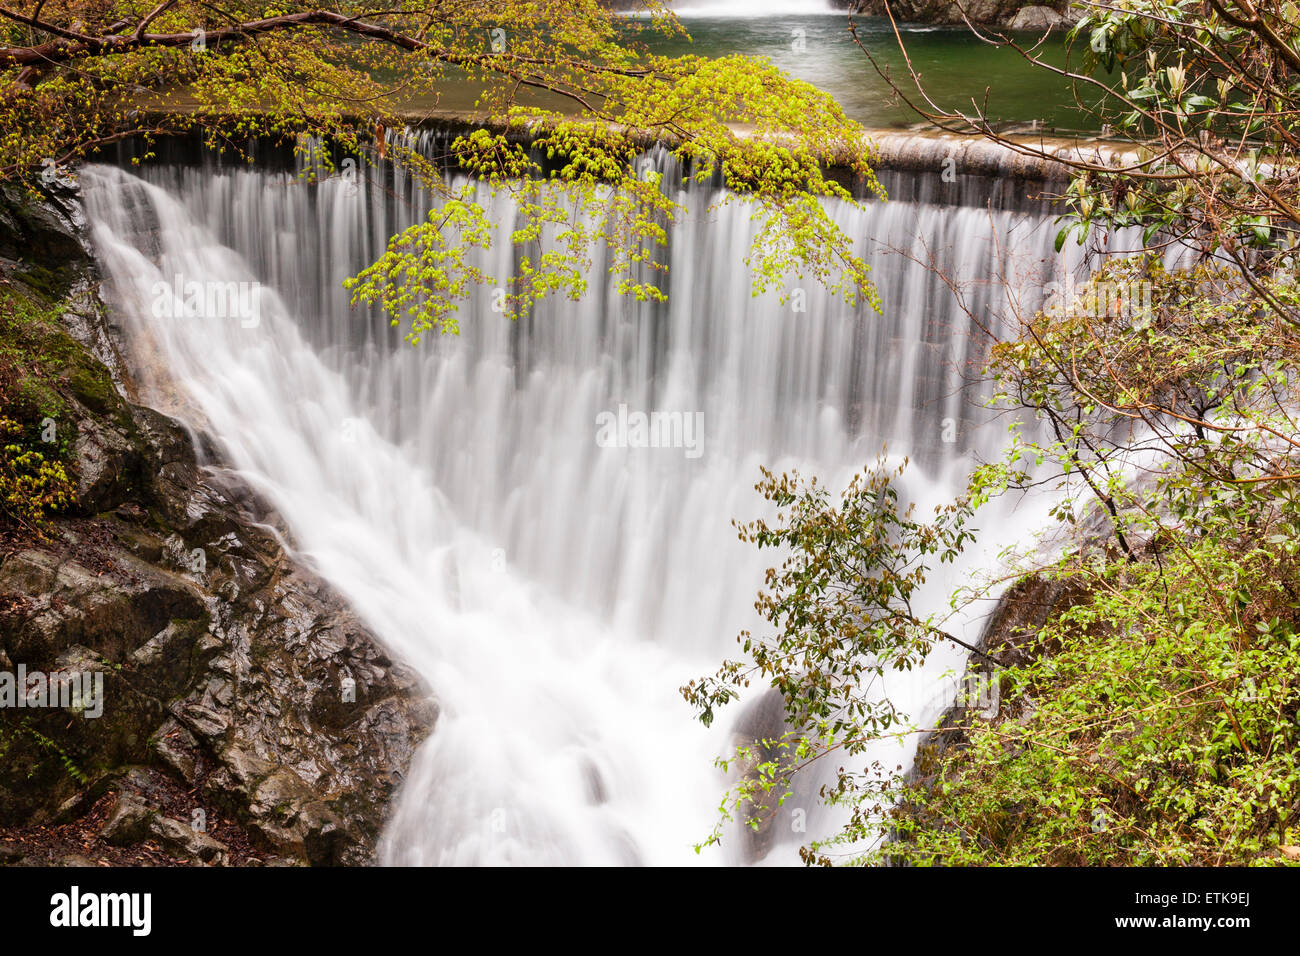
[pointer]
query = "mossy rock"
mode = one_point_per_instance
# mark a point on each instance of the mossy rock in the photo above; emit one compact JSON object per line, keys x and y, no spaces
{"x":94,"y":389}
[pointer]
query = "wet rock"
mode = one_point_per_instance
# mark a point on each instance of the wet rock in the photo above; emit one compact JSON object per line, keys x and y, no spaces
{"x":762,"y":720}
{"x":28,"y":572}
{"x":183,"y":840}
{"x":106,"y":462}
{"x":41,"y":237}
{"x":82,"y":800}
{"x":293,"y":819}
{"x":177,"y":749}
{"x":168,"y":659}
{"x":222,"y":657}
{"x":128,"y":821}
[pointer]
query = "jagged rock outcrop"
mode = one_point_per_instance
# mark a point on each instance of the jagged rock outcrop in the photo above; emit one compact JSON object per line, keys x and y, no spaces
{"x":233,"y":677}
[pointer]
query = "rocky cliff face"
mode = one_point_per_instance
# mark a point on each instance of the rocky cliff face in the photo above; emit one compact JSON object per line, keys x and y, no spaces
{"x":247,"y":715}
{"x":1014,"y":14}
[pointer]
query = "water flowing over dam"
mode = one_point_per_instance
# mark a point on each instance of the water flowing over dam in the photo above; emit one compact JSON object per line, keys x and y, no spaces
{"x":555,"y":589}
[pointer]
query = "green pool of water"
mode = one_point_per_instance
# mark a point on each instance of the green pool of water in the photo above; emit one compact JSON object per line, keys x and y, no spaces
{"x":955,"y":66}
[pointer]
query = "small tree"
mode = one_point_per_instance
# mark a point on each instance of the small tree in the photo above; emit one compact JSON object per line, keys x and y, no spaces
{"x":841,"y":608}
{"x":78,"y":74}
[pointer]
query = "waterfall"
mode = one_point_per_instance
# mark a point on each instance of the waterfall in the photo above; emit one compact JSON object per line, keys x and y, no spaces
{"x":556,"y":593}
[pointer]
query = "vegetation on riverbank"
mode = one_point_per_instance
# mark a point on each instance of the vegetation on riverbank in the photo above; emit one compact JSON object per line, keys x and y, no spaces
{"x":33,"y":473}
{"x":1154,"y":718}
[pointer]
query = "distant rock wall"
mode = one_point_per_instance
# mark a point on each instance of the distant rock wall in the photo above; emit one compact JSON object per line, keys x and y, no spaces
{"x":1013,"y":14}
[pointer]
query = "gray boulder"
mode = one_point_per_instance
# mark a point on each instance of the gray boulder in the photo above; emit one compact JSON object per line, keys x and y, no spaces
{"x":1039,"y":20}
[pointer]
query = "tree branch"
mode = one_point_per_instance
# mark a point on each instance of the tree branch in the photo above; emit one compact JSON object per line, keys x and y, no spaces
{"x":72,"y":45}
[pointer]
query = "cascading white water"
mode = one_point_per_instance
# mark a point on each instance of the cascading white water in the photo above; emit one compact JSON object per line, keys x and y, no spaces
{"x":554,"y":593}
